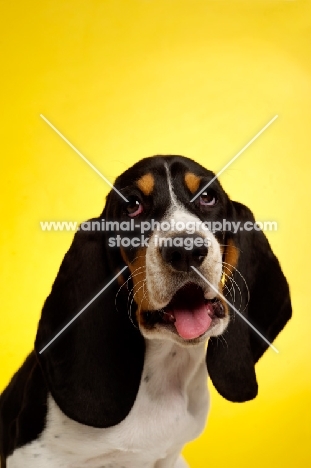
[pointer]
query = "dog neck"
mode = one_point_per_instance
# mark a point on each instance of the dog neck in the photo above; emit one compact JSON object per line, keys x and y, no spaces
{"x":171,"y":367}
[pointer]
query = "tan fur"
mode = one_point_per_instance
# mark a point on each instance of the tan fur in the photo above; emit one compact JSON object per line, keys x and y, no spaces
{"x":192,"y":181}
{"x":146,"y":184}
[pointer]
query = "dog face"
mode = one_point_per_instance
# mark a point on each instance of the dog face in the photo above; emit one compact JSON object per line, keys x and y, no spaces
{"x":181,"y":282}
{"x":172,"y":300}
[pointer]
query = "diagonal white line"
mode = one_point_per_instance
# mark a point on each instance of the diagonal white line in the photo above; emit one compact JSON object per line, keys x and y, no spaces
{"x":235,"y":157}
{"x":82,"y":310}
{"x":83,"y":157}
{"x":235,"y":310}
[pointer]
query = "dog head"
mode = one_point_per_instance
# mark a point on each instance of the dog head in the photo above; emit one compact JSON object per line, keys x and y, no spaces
{"x":189,"y":277}
{"x":168,"y":245}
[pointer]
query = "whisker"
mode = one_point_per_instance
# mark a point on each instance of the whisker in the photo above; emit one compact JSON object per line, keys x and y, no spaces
{"x":138,"y":256}
{"x":246,"y":285}
{"x":222,"y":338}
{"x":231,"y":291}
{"x":131,"y":290}
{"x":132,"y":275}
{"x":129,"y":306}
{"x":142,"y":286}
{"x":144,"y":296}
{"x":236,"y":284}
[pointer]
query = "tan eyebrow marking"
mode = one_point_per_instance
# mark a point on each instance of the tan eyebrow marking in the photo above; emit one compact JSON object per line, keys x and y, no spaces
{"x":192,"y":181}
{"x":146,"y":183}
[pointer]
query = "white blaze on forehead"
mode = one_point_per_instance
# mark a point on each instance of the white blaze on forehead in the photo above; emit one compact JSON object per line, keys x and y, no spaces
{"x":176,"y":211}
{"x":174,"y":201}
{"x":162,"y":282}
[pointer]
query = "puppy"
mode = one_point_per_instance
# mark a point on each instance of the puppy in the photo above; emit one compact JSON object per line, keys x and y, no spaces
{"x":118,"y":374}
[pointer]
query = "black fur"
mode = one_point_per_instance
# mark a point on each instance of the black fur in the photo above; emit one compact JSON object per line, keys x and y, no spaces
{"x":22,"y":408}
{"x":231,"y":362}
{"x":99,"y":358}
{"x":93,"y":369}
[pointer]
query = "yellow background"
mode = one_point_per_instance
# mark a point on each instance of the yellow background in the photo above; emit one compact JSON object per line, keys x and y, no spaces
{"x":125,"y":79}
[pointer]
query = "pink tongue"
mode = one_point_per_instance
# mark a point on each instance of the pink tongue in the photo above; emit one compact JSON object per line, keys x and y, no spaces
{"x":192,"y":323}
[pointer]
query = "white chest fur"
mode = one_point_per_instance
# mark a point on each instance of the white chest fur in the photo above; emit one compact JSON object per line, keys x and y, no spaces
{"x":170,"y":410}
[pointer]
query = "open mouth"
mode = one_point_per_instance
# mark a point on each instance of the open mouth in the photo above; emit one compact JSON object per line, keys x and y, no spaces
{"x":188,"y":314}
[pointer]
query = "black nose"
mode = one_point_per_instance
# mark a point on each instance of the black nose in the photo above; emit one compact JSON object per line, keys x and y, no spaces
{"x":183,"y":251}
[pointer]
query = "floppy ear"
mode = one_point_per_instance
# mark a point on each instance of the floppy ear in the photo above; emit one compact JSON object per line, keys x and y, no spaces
{"x":93,"y":368}
{"x":230,"y":361}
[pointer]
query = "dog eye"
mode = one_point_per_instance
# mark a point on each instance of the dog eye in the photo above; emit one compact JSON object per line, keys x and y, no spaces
{"x":134,"y":208}
{"x":208,"y":199}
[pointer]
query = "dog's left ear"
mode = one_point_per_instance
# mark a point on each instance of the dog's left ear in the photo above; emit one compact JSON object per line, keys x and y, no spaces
{"x":93,"y":368}
{"x":263,"y":299}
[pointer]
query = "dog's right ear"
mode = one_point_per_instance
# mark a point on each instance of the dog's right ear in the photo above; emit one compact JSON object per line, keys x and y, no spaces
{"x":93,"y":368}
